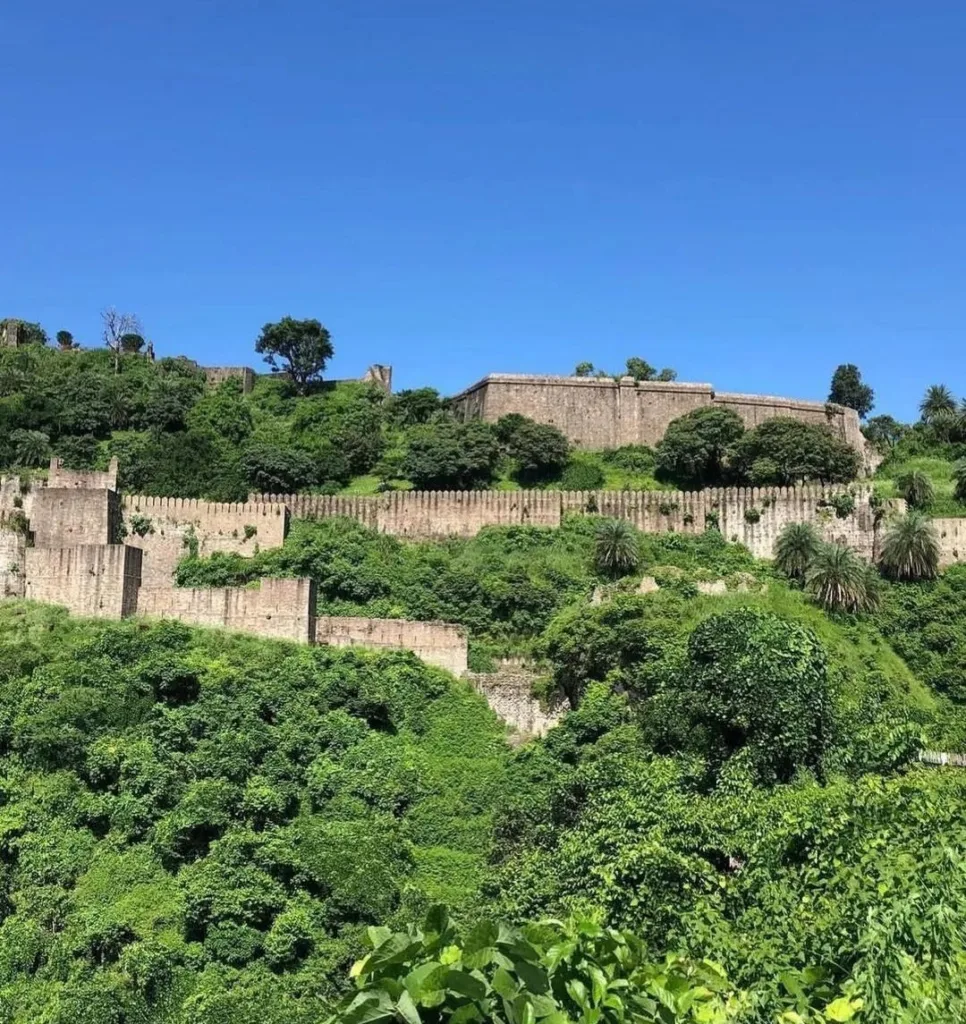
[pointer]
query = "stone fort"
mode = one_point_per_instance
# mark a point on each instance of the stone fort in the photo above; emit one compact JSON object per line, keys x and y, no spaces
{"x":76,"y":541}
{"x":596,"y":413}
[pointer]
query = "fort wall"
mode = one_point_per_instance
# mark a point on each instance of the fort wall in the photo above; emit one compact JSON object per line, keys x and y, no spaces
{"x":69,"y":516}
{"x":99,"y":580}
{"x":437,"y":643}
{"x":82,"y":479}
{"x":509,"y":692}
{"x":952,"y":540}
{"x":279,"y":609}
{"x":603,"y":413}
{"x":174,"y":526}
{"x":13,"y":544}
{"x":751,"y":515}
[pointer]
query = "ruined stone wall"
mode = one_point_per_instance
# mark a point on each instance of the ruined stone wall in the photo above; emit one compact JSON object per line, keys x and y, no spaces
{"x":215,"y":375}
{"x":68,"y":516}
{"x":174,"y":525}
{"x":99,"y":580}
{"x":13,"y":544}
{"x":434,"y":514}
{"x":82,"y":479}
{"x":604,"y":413}
{"x":437,"y":643}
{"x":509,"y":692}
{"x":952,"y":540}
{"x":280,"y":609}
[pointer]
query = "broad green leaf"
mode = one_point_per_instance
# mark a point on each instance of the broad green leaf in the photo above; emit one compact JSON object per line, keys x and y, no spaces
{"x":503,"y":984}
{"x":465,"y":984}
{"x":843,"y":1009}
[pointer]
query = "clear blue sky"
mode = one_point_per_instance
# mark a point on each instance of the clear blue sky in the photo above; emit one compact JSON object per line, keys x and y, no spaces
{"x":751,"y":192}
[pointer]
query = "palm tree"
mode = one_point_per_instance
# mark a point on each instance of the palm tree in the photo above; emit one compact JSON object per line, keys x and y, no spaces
{"x":916,"y":488}
{"x":959,"y":476}
{"x":938,"y":399}
{"x":795,"y":548}
{"x":615,"y":549}
{"x":838,"y":579}
{"x":911,"y":549}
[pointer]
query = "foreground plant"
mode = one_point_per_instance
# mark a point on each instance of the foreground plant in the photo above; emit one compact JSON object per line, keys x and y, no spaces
{"x":797,"y":545}
{"x":839,"y":580}
{"x":615,"y":550}
{"x":551,"y":971}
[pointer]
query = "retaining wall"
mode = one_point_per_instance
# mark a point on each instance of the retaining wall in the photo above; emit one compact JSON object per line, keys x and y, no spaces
{"x":68,"y":516}
{"x":13,"y":544}
{"x":99,"y":580}
{"x":509,"y":692}
{"x":438,"y":643}
{"x":280,"y":609}
{"x":952,"y":540}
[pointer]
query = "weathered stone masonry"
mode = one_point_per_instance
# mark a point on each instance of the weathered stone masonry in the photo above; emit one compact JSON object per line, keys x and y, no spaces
{"x":596,"y":413}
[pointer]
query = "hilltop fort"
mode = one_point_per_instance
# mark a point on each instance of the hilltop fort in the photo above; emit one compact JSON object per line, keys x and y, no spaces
{"x":596,"y":413}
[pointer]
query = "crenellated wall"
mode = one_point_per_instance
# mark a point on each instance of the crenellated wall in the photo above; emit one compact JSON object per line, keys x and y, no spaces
{"x":434,"y":514}
{"x":596,"y":413}
{"x":99,"y":580}
{"x":280,"y":609}
{"x":175,"y":525}
{"x":437,"y":643}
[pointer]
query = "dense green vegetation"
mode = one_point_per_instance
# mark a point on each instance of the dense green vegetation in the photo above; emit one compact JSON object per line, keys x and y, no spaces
{"x":196,"y":827}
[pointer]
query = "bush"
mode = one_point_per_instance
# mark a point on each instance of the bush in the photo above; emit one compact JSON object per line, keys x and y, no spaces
{"x":450,"y":455}
{"x":632,"y":458}
{"x":694,"y":447}
{"x":582,"y":475}
{"x":539,"y":451}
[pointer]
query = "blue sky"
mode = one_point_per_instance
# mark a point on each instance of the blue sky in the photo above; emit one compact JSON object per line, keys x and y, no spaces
{"x":751,"y":192}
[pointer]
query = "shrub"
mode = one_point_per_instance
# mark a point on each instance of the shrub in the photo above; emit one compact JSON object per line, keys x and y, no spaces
{"x":752,"y":515}
{"x":616,"y":549}
{"x":838,"y":580}
{"x":539,"y":451}
{"x":796,"y":547}
{"x":784,"y":450}
{"x":910,"y":550}
{"x":632,"y":458}
{"x":693,"y":449}
{"x":917,"y":489}
{"x":454,"y":455}
{"x":581,"y":475}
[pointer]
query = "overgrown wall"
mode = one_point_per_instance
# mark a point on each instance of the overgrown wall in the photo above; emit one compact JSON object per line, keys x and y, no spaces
{"x":280,"y":609}
{"x":604,"y":413}
{"x":509,"y":692}
{"x":98,"y":580}
{"x":177,"y":525}
{"x":435,"y":514}
{"x":438,"y":643}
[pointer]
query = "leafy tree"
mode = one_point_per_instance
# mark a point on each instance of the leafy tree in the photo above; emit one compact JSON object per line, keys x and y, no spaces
{"x":582,"y":474}
{"x":848,"y":390}
{"x":884,"y":432}
{"x":838,"y":580}
{"x":693,"y":449}
{"x":65,"y":340}
{"x":640,"y":369}
{"x":917,"y":488}
{"x":274,"y":468}
{"x":299,"y":347}
{"x":584,"y":370}
{"x":757,"y":684}
{"x":78,"y":452}
{"x":959,"y":479}
{"x":910,"y":550}
{"x":451,"y":455}
{"x":784,"y":451}
{"x":616,"y":549}
{"x":416,"y":405}
{"x":795,"y":549}
{"x":539,"y":450}
{"x":937,"y":401}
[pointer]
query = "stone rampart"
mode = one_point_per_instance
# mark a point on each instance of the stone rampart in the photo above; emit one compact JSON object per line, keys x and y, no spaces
{"x":13,"y":545}
{"x":437,"y":643}
{"x":596,"y":413}
{"x":68,"y":516}
{"x":751,"y":515}
{"x":174,"y":526}
{"x":280,"y":609}
{"x":215,"y":375}
{"x":82,"y":479}
{"x":99,"y":580}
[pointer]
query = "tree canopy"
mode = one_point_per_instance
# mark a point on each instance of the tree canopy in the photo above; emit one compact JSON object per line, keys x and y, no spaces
{"x":300,"y":348}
